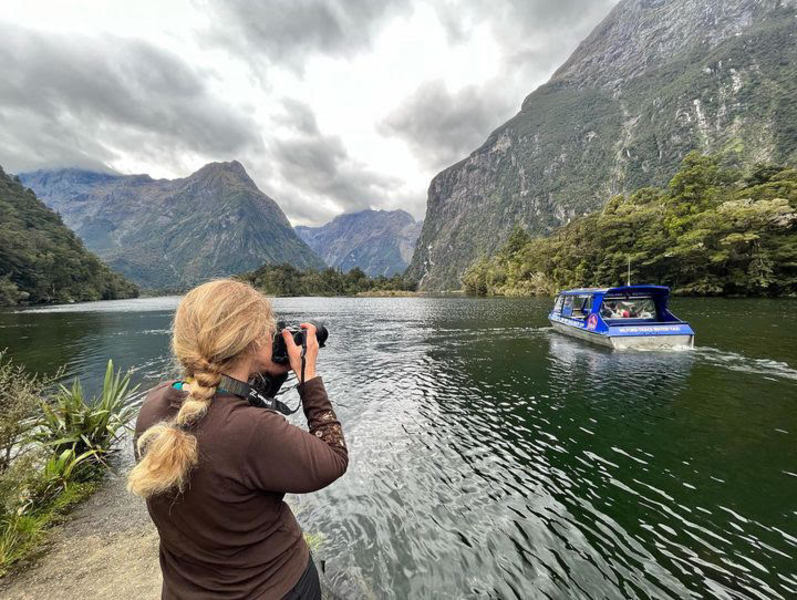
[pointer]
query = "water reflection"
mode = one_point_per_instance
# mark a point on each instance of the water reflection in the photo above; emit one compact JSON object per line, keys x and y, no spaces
{"x":608,"y":376}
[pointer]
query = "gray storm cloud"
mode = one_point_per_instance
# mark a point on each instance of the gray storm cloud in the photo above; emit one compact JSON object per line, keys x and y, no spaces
{"x":90,"y":101}
{"x":73,"y":100}
{"x":443,"y":127}
{"x":288,"y":31}
{"x":323,"y":166}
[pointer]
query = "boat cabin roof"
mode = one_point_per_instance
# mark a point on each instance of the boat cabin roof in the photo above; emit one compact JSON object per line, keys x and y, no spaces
{"x":635,"y":290}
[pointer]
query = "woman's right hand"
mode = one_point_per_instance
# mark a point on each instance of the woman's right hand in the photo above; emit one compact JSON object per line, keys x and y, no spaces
{"x":295,"y":352}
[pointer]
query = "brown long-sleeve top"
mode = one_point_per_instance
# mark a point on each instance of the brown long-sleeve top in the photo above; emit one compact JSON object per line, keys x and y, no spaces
{"x":229,"y":534}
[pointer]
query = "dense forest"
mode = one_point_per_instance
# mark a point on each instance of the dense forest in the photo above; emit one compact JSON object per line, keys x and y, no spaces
{"x":715,"y":230}
{"x":41,"y":260}
{"x":287,"y":280}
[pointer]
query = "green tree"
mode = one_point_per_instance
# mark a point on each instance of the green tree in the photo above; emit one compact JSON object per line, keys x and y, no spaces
{"x":711,"y":231}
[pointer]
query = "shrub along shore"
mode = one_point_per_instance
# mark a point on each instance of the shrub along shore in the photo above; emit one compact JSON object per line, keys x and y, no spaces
{"x":287,"y":280}
{"x":715,"y":230}
{"x":55,"y":449}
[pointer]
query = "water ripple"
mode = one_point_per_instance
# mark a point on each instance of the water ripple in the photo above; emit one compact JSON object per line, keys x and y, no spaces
{"x":493,"y":458}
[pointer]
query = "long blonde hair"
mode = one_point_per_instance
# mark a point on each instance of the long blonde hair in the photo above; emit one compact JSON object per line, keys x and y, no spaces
{"x":216,"y":324}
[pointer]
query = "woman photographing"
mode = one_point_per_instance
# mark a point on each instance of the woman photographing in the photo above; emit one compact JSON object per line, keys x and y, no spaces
{"x":214,"y":469}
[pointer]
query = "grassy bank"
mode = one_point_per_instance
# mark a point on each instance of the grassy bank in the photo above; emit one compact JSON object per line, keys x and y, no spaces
{"x":54,"y":451}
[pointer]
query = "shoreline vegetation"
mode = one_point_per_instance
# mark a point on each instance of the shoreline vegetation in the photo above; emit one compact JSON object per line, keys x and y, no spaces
{"x":55,"y":450}
{"x":714,"y":231}
{"x":287,"y":280}
{"x":42,"y":261}
{"x":389,"y":294}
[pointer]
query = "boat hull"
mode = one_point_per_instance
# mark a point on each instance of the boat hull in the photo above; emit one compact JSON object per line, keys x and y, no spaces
{"x":626,"y":342}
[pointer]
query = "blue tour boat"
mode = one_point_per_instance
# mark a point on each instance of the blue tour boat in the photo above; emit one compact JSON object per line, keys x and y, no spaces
{"x":632,"y":316}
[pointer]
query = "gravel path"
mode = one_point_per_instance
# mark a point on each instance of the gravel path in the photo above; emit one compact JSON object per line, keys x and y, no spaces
{"x":108,"y":548}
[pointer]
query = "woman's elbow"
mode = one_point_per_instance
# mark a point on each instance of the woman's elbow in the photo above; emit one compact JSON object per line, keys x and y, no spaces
{"x":332,"y":470}
{"x":336,"y":469}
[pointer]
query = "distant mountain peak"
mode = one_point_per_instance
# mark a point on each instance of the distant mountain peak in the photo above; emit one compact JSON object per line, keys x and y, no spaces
{"x":176,"y":232}
{"x":371,"y":213}
{"x":229,"y":171}
{"x":380,"y":242}
{"x":232,"y":166}
{"x":74,"y":175}
{"x":76,"y":171}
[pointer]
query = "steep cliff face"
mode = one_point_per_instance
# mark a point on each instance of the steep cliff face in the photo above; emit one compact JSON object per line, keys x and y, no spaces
{"x":174,"y":233}
{"x":653,"y":81}
{"x":377,"y":241}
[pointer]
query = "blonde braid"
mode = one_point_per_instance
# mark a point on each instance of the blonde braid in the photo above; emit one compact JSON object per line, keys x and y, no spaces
{"x":206,"y":377}
{"x":216,"y":325}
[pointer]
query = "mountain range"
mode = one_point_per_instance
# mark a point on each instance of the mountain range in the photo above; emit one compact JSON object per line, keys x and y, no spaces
{"x":653,"y":81}
{"x":378,"y":242}
{"x":174,"y":233}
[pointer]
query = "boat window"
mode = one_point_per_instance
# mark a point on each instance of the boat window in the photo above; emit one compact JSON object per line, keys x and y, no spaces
{"x":628,"y":308}
{"x":567,"y":306}
{"x":557,"y":307}
{"x":582,"y":306}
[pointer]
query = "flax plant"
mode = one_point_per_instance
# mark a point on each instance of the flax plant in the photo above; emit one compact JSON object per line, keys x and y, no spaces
{"x":54,"y":451}
{"x":71,"y":422}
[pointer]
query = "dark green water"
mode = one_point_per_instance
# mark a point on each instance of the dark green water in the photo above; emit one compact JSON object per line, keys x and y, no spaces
{"x":493,"y":458}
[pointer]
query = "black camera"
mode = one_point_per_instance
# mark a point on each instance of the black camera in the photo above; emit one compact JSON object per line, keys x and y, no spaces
{"x":279,"y":351}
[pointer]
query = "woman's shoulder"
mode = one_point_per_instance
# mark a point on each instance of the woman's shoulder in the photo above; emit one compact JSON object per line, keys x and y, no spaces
{"x":164,"y":392}
{"x":238,"y":425}
{"x":162,"y":386}
{"x":159,"y":402}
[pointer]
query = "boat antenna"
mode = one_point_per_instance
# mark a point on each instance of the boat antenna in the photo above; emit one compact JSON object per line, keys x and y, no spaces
{"x":628,"y":280}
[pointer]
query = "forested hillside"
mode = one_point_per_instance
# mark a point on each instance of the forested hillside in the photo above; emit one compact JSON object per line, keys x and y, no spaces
{"x":654,"y":81}
{"x":713,"y":231}
{"x":287,"y":280}
{"x":41,"y":260}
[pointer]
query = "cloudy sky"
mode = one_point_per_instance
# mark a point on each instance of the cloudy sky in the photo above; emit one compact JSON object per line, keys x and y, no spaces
{"x":332,"y":106}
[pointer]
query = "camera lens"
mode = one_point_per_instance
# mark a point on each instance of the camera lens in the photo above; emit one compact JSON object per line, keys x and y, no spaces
{"x":321,"y":333}
{"x":279,"y":351}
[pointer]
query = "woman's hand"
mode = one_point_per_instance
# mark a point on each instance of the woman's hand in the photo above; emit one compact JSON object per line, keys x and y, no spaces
{"x":295,"y":352}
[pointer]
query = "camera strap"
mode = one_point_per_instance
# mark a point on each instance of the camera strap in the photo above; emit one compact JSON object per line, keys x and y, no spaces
{"x":304,"y":351}
{"x":244,"y":390}
{"x":261,"y":401}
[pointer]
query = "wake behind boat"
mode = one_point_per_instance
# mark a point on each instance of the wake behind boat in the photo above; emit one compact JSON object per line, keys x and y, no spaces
{"x":634,"y":316}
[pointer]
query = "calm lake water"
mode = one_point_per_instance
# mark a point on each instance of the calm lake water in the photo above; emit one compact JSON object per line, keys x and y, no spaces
{"x":493,"y":458}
